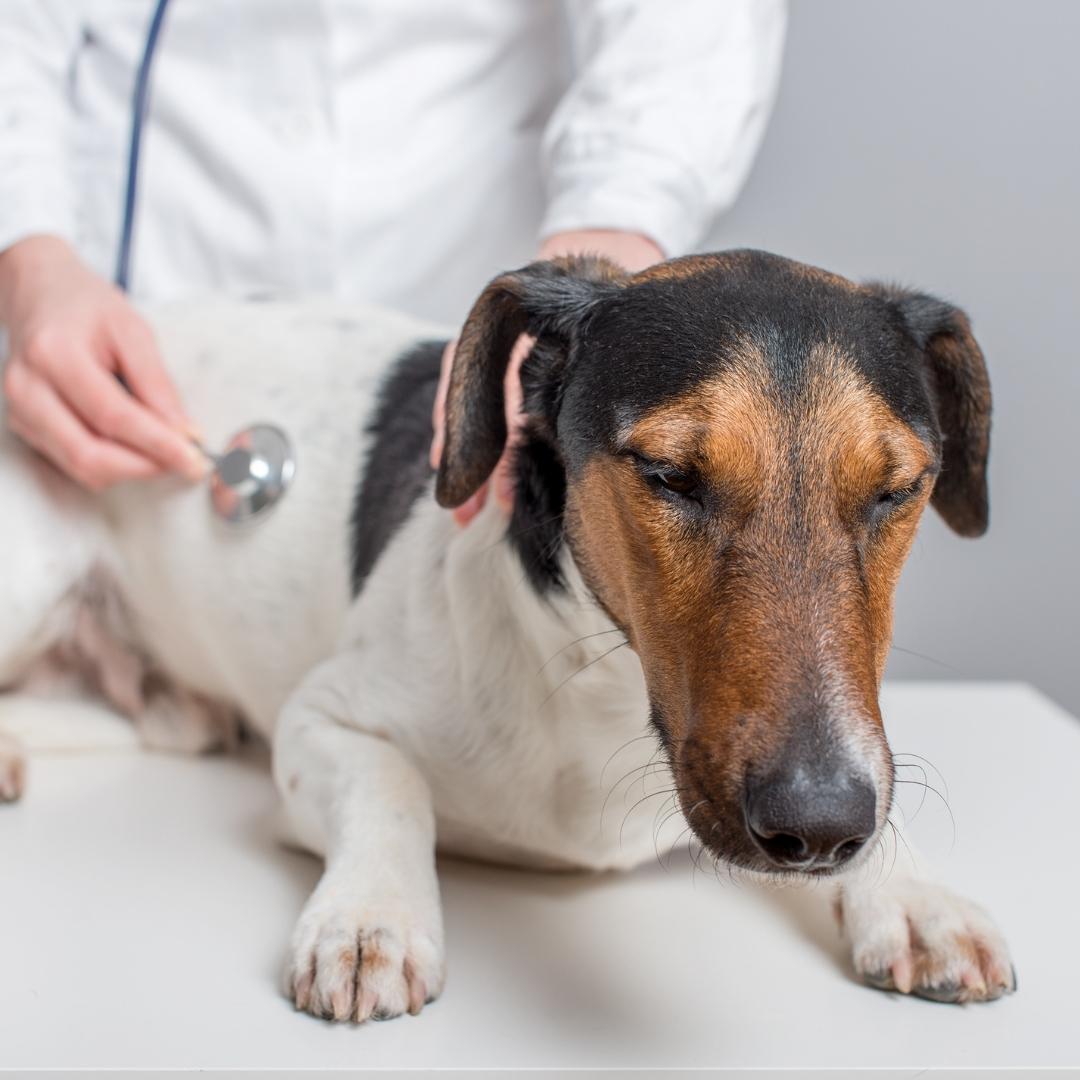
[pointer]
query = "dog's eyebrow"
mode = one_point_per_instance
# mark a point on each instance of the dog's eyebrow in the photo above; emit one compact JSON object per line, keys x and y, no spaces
{"x":664,"y":436}
{"x":908,"y":456}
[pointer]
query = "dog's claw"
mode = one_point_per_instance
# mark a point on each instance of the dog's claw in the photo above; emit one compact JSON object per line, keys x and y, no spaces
{"x":301,"y":989}
{"x":879,"y":980}
{"x":947,"y":993}
{"x":341,"y":1003}
{"x":342,"y":970}
{"x":365,"y":1006}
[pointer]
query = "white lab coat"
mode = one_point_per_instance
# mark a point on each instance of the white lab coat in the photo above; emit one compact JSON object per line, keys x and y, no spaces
{"x":402,"y":151}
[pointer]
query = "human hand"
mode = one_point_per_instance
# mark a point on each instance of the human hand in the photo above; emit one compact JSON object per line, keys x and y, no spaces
{"x":84,"y":383}
{"x":631,"y":251}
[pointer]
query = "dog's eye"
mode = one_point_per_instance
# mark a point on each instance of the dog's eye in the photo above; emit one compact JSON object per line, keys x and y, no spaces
{"x":670,"y":480}
{"x":895,"y":498}
{"x":676,"y":482}
{"x":892,"y":498}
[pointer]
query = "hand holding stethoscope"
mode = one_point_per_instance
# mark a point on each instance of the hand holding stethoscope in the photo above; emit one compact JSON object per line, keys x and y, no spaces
{"x":257,"y":466}
{"x":85,"y":385}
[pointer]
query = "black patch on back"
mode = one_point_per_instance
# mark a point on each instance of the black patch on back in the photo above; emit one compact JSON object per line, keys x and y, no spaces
{"x":398,"y":471}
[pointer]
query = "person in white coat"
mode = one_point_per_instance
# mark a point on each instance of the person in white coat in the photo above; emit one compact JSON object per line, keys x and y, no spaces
{"x":397,"y":151}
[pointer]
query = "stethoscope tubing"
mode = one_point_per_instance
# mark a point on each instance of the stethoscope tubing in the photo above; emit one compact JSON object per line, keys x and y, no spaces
{"x":261,"y":456}
{"x":140,"y":98}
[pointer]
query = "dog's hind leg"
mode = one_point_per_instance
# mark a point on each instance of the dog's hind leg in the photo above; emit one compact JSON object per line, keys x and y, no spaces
{"x":49,"y":540}
{"x":105,"y":653}
{"x":12,"y":768}
{"x":369,"y":942}
{"x":65,"y":636}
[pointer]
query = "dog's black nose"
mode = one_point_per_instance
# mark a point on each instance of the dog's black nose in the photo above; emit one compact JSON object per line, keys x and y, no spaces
{"x":806,"y":822}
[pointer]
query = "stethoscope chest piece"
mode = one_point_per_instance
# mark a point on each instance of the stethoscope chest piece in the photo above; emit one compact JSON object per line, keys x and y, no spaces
{"x":253,"y":473}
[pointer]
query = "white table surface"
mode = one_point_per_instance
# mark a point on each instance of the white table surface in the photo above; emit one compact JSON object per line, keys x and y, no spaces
{"x":145,"y":905}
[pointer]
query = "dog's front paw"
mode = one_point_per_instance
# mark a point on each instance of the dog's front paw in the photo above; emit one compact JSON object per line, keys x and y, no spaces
{"x":918,"y":938}
{"x":355,"y":962}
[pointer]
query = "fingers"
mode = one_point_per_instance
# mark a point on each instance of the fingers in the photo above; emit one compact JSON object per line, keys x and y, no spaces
{"x":141,"y":366}
{"x":107,"y":409}
{"x":40,"y":417}
{"x":631,"y":251}
{"x":438,"y":413}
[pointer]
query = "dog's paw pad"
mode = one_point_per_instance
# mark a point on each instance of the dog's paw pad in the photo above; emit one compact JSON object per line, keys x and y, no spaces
{"x":351,"y":967}
{"x":920,"y":939}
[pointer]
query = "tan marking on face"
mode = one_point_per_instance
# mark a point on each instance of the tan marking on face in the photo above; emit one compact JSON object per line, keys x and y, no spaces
{"x":871,"y":451}
{"x":722,"y":432}
{"x":744,"y":610}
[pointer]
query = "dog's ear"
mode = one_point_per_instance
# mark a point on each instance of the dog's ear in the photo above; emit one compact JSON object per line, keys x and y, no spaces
{"x":547,"y":299}
{"x":960,"y":386}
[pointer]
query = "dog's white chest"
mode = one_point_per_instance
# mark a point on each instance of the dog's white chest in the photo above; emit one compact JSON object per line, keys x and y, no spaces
{"x":522,"y":720}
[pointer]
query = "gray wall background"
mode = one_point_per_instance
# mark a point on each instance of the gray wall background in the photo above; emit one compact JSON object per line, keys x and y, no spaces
{"x":937,"y":143}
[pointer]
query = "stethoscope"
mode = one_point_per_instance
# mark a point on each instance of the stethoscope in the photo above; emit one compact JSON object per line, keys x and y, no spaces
{"x":258,"y":463}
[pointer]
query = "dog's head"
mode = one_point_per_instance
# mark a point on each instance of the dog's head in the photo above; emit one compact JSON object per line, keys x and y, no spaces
{"x":737,"y":450}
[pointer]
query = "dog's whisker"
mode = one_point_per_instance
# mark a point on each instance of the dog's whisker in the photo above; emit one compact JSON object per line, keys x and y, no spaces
{"x":883,"y":845}
{"x":573,"y":675}
{"x":899,"y":835}
{"x":696,"y":858}
{"x":630,"y":772}
{"x":629,"y":788}
{"x":675,"y":812}
{"x":628,"y":743}
{"x":926,"y":761}
{"x":645,"y":798}
{"x":654,"y":768}
{"x":663,"y":810}
{"x":944,"y":802}
{"x":578,"y":641}
{"x":655,"y":829}
{"x":675,"y":845}
{"x":652,"y":760}
{"x":631,"y":775}
{"x":930,"y":659}
{"x":922,"y":799}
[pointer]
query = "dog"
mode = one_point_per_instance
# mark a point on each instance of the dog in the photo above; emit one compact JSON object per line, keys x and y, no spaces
{"x":722,"y":467}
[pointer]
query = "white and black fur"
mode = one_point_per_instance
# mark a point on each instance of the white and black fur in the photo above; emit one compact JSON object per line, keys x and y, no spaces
{"x":413,"y":677}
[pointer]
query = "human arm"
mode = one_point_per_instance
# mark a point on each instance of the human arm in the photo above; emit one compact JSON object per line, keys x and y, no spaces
{"x":72,"y":336}
{"x":660,"y":123}
{"x":652,"y":139}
